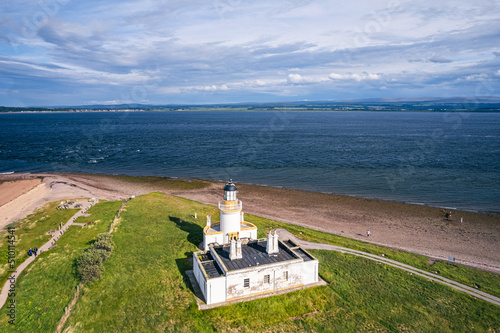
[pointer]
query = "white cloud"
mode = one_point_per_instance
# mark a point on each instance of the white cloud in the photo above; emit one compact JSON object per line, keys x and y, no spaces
{"x":355,"y":77}
{"x":295,"y":78}
{"x":475,"y":77}
{"x":213,"y":87}
{"x":301,"y":79}
{"x":240,"y":49}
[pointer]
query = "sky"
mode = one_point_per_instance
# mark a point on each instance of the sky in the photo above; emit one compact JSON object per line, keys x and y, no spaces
{"x":67,"y":52}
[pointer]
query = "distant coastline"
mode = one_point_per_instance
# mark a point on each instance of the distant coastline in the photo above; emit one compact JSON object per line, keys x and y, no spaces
{"x":432,"y":104}
{"x":496,"y":110}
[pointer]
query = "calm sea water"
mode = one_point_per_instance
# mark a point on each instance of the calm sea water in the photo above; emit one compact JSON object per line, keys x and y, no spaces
{"x":438,"y":159}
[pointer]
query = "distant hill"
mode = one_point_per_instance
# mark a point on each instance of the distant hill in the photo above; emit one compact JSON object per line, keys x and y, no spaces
{"x":480,"y":104}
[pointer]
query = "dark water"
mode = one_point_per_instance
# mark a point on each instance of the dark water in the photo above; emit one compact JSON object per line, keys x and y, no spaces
{"x":438,"y":159}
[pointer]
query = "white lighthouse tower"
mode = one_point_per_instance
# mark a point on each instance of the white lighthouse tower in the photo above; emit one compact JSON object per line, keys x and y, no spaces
{"x":230,"y":213}
{"x":232,"y":225}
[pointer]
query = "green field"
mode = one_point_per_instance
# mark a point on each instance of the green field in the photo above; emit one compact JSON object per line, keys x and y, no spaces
{"x":45,"y":287}
{"x":144,"y":287}
{"x":31,"y":233}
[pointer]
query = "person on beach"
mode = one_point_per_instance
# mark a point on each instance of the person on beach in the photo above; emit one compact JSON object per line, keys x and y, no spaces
{"x":368,"y":233}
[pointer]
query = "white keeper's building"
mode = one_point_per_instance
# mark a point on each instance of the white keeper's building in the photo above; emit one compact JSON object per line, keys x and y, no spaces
{"x":236,"y":265}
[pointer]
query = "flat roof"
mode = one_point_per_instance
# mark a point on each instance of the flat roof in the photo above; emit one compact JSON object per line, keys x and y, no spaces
{"x":303,"y":254}
{"x":211,"y":267}
{"x":216,"y":226}
{"x":254,"y":254}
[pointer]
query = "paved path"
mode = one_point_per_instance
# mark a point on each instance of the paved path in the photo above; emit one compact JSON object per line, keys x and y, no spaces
{"x":85,"y":204}
{"x":283,"y":234}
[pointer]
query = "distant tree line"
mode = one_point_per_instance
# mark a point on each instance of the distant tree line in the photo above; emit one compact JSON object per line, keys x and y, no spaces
{"x":30,"y":109}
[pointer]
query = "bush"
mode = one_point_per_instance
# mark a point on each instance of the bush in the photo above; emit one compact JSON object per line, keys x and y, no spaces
{"x":104,"y":242}
{"x":90,"y":265}
{"x":91,"y":262}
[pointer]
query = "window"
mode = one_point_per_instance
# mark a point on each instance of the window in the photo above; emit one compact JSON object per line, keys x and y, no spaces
{"x":267,"y":278}
{"x":246,"y":283}
{"x":285,"y":275}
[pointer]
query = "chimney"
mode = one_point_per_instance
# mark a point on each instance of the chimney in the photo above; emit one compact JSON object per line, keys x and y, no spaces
{"x":209,"y":220}
{"x":235,"y":249}
{"x":272,"y":243}
{"x":242,"y":218}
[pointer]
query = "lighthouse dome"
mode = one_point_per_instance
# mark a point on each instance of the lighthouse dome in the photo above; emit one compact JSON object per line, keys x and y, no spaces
{"x":230,"y":191}
{"x":230,"y":186}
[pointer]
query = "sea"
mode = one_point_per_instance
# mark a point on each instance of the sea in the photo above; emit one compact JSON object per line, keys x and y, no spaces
{"x":442,"y":159}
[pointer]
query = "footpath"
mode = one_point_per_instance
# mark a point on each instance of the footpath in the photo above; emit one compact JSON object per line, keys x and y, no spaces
{"x":283,"y":234}
{"x":85,"y":205}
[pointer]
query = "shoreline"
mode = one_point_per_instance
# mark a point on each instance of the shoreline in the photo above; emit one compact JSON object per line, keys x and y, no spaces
{"x":368,"y":198}
{"x":430,"y":205}
{"x":410,"y":227}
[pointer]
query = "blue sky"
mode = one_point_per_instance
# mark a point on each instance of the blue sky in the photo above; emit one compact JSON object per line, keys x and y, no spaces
{"x":67,"y":52}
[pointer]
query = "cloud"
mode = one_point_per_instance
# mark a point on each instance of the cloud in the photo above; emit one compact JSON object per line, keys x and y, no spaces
{"x":295,"y":78}
{"x":355,"y":77}
{"x":434,"y":59}
{"x":439,"y":60}
{"x":476,"y":77}
{"x":242,"y":51}
{"x":213,"y":87}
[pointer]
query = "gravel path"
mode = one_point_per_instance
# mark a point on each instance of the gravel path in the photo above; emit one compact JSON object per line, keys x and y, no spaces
{"x":283,"y":234}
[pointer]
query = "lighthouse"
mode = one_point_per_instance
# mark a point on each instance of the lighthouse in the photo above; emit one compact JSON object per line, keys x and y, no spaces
{"x":230,"y":213}
{"x":232,"y":225}
{"x":234,"y":265}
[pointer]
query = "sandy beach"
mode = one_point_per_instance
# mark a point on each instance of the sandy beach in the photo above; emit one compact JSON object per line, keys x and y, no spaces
{"x":414,"y":228}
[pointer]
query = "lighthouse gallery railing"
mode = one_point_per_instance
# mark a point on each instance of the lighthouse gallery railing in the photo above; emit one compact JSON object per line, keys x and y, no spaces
{"x":236,"y":206}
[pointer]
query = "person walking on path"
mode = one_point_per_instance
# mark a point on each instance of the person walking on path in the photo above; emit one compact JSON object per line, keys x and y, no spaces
{"x":36,"y":251}
{"x":30,"y":252}
{"x":367,"y":233}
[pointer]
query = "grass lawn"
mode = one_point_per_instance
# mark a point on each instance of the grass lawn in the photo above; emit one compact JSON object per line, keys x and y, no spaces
{"x":144,"y":287}
{"x":30,"y":233}
{"x":486,"y":281}
{"x":45,"y":287}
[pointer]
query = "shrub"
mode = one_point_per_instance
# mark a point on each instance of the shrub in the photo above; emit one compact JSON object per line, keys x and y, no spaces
{"x":90,"y":265}
{"x":91,"y":262}
{"x":104,"y":242}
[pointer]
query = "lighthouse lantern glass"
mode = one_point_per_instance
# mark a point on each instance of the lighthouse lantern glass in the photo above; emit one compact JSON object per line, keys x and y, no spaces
{"x":230,"y":195}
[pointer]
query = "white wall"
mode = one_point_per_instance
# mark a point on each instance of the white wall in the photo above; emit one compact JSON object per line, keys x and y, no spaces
{"x":235,"y":279}
{"x":252,"y":234}
{"x":229,"y":222}
{"x":199,"y":275}
{"x":310,"y":271}
{"x":209,"y":239}
{"x":216,"y":290}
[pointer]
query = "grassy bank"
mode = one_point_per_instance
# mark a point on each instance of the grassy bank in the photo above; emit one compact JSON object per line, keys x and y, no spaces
{"x":45,"y":288}
{"x":31,"y":233}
